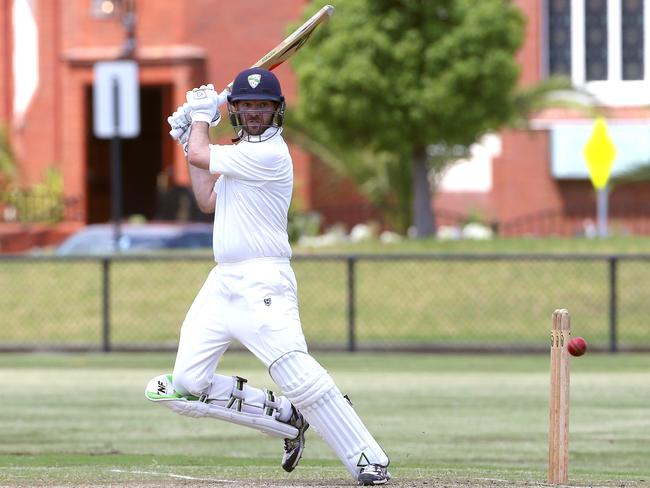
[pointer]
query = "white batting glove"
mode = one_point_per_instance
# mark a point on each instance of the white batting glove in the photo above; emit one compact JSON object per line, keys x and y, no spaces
{"x":180,"y":135}
{"x":180,"y":122}
{"x":202,"y":103}
{"x":181,"y":117}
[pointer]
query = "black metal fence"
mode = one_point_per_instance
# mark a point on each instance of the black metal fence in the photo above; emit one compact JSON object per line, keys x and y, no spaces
{"x":419,"y":302}
{"x":575,"y":220}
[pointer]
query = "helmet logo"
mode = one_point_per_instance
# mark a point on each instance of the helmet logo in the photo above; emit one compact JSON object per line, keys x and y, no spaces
{"x":254,"y":80}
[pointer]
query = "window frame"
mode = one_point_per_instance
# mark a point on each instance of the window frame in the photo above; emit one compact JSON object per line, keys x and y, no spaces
{"x":614,"y":91}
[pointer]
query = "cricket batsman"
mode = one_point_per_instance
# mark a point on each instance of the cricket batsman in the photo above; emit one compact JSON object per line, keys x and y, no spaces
{"x":251,"y":295}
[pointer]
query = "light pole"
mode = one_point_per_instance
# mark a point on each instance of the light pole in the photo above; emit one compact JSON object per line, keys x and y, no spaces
{"x":124,"y":12}
{"x":129,"y":20}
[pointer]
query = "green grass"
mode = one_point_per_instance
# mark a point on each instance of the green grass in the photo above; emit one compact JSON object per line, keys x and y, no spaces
{"x":445,"y":420}
{"x":438,"y":302}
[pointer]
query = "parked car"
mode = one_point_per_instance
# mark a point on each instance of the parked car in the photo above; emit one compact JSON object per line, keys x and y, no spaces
{"x":98,"y":238}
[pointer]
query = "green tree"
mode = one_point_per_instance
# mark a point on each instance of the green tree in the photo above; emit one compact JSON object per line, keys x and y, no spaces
{"x":387,"y":79}
{"x":640,"y":173}
{"x":7,"y":159}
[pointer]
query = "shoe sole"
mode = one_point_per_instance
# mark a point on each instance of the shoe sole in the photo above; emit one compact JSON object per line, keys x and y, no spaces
{"x":372,"y":483}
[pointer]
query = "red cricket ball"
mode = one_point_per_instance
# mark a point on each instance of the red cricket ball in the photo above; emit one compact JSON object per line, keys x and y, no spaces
{"x":577,"y":346}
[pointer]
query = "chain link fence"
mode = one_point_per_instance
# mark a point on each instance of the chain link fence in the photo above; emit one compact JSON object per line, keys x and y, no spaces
{"x":348,"y":302}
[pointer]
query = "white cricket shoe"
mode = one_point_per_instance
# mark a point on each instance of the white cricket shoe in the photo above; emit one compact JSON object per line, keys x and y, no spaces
{"x":373,"y":474}
{"x":293,"y":447}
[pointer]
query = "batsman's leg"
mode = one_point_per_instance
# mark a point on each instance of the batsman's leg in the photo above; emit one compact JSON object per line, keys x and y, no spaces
{"x":230,"y":399}
{"x":194,"y":390}
{"x":311,"y":389}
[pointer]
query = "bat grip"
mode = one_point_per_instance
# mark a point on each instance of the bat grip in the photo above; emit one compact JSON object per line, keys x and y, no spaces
{"x":222,"y":97}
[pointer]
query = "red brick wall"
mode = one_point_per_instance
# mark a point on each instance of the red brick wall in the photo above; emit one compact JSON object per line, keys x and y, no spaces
{"x":180,"y":43}
{"x":6,"y":73}
{"x":236,"y":35}
{"x":337,"y":199}
{"x":522,"y":180}
{"x":529,"y":56}
{"x":187,"y":42}
{"x":37,"y":139}
{"x":523,"y":187}
{"x":520,"y":176}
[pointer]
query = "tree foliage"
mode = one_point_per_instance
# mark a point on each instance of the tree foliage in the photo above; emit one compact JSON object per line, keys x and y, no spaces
{"x":399,"y":74}
{"x":640,"y":173}
{"x":7,"y":158}
{"x":391,"y":77}
{"x":380,"y":175}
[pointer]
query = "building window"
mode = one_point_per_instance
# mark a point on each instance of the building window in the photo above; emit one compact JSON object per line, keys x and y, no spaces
{"x":602,"y":45}
{"x":632,"y":39}
{"x":596,"y":39}
{"x":559,"y":37}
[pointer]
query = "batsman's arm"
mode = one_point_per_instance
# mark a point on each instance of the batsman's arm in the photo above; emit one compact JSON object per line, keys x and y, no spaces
{"x":198,"y":149}
{"x":198,"y":158}
{"x":203,"y":188}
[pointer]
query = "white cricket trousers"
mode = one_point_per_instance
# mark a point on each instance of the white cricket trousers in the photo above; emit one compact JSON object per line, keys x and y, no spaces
{"x":254,"y":302}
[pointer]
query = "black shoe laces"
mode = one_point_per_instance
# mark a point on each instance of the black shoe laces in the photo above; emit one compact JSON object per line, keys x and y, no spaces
{"x":288,"y":445}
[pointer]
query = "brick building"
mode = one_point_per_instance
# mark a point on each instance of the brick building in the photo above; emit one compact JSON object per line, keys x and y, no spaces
{"x":184,"y":43}
{"x":178,"y":45}
{"x":538,"y":182}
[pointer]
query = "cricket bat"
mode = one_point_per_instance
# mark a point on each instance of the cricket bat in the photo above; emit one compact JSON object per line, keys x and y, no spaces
{"x":288,"y":47}
{"x":275,"y":57}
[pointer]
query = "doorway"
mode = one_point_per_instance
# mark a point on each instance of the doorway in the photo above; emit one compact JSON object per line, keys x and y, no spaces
{"x":144,"y":159}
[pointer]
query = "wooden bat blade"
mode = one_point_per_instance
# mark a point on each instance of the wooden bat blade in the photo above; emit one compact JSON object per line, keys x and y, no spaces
{"x":288,"y":47}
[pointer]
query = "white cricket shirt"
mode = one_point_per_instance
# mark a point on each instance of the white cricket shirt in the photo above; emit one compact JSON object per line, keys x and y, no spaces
{"x":253,"y":197}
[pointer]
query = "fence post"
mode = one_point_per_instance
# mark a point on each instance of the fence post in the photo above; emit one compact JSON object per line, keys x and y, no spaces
{"x":352,"y":341}
{"x":613,"y":304}
{"x":106,"y":305}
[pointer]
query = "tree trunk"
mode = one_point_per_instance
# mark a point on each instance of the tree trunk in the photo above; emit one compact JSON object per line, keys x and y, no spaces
{"x":423,"y":218}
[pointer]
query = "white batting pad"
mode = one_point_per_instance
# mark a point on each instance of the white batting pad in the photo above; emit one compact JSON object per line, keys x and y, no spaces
{"x":261,"y":417}
{"x":311,"y":389}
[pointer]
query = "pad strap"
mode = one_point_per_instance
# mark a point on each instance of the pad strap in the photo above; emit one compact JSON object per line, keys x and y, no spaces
{"x":271,"y":405}
{"x":237,"y":395}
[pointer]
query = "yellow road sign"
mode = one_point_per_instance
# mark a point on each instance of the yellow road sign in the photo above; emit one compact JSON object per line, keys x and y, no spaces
{"x":600,"y":153}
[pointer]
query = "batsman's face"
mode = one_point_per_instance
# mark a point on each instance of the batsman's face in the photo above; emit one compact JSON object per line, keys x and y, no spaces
{"x":256,"y":115}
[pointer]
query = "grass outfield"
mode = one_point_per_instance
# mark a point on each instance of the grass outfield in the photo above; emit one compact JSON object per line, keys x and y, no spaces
{"x":397,"y":302}
{"x":82,"y":420}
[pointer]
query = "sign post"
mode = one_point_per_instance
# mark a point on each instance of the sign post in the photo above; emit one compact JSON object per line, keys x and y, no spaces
{"x":600,"y":153}
{"x":116,"y":107}
{"x":116,"y":168}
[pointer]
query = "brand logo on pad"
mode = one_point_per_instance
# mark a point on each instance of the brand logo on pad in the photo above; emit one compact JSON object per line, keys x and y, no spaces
{"x":267,"y":302}
{"x":254,"y":80}
{"x":363,"y":460}
{"x":162,"y":388}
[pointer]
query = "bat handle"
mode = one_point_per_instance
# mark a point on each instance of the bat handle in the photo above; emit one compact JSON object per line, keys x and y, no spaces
{"x":222,"y":97}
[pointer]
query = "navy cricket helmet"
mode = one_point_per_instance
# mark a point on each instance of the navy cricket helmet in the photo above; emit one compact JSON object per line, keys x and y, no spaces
{"x":256,"y":84}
